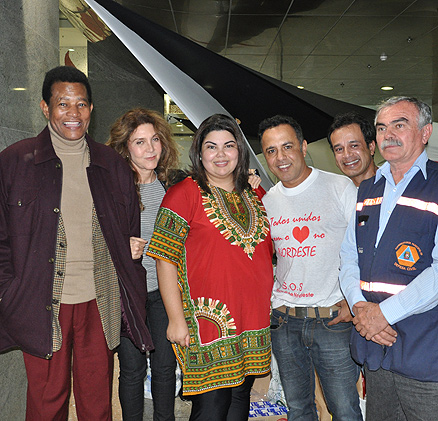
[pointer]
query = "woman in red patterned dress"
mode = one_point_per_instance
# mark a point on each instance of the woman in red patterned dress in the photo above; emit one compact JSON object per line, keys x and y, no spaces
{"x":213,"y":252}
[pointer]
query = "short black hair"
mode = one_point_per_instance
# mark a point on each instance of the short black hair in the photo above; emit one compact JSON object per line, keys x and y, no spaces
{"x":278,"y":120}
{"x":64,"y":74}
{"x":366,"y":127}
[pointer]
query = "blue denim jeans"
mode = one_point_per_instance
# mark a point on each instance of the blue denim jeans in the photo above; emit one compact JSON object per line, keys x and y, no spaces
{"x":302,"y":345}
{"x":133,"y":367}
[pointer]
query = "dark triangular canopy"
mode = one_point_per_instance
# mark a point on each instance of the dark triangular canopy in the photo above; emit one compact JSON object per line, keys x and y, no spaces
{"x":246,"y":94}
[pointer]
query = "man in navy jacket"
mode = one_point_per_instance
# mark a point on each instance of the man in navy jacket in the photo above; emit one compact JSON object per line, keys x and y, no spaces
{"x":389,"y":261}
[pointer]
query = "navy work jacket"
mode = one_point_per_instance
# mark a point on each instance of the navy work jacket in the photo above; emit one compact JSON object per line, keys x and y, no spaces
{"x":404,"y":251}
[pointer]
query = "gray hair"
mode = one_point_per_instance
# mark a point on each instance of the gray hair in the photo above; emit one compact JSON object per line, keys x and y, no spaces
{"x":424,"y":111}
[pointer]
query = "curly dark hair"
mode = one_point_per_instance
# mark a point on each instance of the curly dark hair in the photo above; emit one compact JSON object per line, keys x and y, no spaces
{"x":64,"y":74}
{"x":219,"y":122}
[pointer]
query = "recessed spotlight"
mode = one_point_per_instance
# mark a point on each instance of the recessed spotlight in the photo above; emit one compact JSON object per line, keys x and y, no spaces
{"x":387,"y":88}
{"x":19,"y":89}
{"x":300,"y":87}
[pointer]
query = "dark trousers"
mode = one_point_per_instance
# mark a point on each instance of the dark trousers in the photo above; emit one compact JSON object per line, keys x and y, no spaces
{"x":49,"y":381}
{"x":226,"y":404}
{"x":392,"y":397}
{"x":133,"y":365}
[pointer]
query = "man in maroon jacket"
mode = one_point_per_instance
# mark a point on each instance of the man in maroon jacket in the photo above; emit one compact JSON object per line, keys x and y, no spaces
{"x":68,"y":284}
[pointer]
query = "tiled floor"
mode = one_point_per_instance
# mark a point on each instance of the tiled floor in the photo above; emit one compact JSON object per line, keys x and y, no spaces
{"x":182,"y":410}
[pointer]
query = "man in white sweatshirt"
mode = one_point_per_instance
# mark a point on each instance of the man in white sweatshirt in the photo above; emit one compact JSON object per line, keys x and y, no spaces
{"x":309,"y":210}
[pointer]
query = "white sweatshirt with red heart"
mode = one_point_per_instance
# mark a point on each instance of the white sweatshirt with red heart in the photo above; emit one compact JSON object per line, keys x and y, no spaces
{"x":308,"y":223}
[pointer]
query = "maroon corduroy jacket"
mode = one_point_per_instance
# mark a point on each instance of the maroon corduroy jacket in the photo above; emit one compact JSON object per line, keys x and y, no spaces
{"x":30,"y":198}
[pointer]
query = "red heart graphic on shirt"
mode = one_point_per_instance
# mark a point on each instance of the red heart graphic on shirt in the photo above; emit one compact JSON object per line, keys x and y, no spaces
{"x":300,"y":234}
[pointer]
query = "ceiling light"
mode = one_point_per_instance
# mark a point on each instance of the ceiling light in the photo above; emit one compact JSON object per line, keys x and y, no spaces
{"x":71,"y":49}
{"x":383,"y":57}
{"x":300,"y":87}
{"x":179,"y":124}
{"x":18,"y":89}
{"x":387,"y":88}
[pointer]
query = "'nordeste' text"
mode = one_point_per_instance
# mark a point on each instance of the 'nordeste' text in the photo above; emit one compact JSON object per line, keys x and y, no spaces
{"x":297,"y":251}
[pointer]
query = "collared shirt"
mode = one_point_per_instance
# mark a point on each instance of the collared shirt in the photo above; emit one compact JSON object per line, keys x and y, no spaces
{"x":422,"y":292}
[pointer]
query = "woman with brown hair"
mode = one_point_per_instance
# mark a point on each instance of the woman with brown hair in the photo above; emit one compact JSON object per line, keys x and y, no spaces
{"x":144,"y":138}
{"x":213,"y":252}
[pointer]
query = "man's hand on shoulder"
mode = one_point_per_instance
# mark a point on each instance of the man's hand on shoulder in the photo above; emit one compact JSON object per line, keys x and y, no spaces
{"x":344,"y":314}
{"x":371,"y":323}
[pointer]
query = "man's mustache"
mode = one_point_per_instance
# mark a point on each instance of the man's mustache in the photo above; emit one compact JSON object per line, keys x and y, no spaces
{"x":390,"y":142}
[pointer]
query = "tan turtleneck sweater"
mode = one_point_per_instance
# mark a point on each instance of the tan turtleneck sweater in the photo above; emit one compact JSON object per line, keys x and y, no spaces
{"x":76,"y":211}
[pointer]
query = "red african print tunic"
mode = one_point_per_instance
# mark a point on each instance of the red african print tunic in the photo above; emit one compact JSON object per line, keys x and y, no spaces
{"x":222,"y":247}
